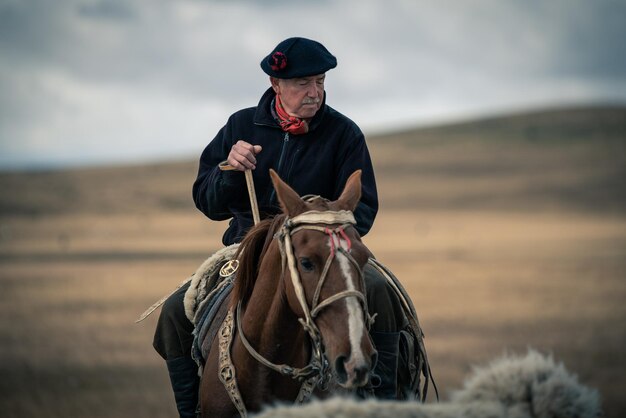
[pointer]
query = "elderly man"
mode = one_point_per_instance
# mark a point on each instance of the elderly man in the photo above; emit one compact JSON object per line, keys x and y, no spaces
{"x":314,"y":149}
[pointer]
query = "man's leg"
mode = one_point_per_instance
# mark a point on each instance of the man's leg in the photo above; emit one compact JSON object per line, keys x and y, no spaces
{"x":385,"y":332}
{"x":172,"y":340}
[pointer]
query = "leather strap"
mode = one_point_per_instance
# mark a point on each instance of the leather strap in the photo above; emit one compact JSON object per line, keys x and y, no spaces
{"x":226,"y":372}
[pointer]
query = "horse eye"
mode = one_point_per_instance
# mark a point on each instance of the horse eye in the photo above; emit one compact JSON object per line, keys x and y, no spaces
{"x":306,"y":264}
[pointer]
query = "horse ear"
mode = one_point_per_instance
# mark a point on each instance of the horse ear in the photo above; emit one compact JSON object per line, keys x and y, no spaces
{"x":351,"y":192}
{"x":289,"y":200}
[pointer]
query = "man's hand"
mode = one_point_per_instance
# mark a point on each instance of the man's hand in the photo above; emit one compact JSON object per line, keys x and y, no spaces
{"x":243,"y":155}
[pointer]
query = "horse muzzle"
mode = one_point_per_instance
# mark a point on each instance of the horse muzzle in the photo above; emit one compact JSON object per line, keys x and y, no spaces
{"x":354,"y":372}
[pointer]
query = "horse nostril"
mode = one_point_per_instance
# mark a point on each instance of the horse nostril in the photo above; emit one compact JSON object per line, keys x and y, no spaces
{"x":340,"y":368}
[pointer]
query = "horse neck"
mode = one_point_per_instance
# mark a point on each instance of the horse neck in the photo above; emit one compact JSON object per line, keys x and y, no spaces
{"x":268,"y":322}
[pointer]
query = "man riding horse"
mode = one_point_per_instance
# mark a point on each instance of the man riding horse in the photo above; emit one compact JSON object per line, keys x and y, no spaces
{"x":314,"y":148}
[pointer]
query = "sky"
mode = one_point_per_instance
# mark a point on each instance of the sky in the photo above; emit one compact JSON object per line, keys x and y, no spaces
{"x":86,"y":82}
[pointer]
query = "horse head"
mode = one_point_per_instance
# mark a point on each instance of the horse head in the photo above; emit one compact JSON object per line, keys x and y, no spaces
{"x":324,"y":280}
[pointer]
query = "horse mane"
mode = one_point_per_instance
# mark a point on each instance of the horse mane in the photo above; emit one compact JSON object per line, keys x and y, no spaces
{"x":250,"y":253}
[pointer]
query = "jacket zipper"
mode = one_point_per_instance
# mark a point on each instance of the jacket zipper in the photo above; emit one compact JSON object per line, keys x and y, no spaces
{"x":280,"y":162}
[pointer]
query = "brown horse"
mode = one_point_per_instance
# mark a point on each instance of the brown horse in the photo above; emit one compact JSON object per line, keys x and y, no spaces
{"x":298,"y":309}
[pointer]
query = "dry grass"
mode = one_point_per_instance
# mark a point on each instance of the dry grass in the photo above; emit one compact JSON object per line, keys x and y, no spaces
{"x":503,"y":244}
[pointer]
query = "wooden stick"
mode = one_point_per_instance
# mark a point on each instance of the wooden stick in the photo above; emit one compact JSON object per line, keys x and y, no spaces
{"x":251,"y":193}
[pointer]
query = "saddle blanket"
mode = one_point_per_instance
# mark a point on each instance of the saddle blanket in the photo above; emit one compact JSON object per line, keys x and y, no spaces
{"x":207,"y":291}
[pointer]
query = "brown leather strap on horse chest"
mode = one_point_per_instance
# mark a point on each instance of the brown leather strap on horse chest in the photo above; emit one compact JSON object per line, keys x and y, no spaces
{"x":226,"y":371}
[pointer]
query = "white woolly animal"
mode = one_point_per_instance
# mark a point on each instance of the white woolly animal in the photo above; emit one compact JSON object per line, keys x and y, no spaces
{"x":530,"y":386}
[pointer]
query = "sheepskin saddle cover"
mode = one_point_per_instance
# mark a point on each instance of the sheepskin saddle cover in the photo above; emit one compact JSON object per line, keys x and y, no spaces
{"x":206,"y":294}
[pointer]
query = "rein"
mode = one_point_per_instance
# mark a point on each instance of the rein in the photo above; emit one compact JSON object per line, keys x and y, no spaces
{"x":317,"y":372}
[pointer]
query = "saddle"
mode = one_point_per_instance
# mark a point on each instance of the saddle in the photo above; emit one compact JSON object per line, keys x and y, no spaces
{"x":205,"y":299}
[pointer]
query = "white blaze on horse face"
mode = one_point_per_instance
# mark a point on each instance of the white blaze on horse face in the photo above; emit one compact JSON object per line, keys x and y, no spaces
{"x":356,"y":326}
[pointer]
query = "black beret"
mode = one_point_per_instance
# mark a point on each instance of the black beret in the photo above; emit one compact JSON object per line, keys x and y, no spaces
{"x":298,"y":57}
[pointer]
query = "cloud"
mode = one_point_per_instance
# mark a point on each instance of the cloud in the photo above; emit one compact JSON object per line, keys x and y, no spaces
{"x":114,"y":80}
{"x":107,"y":9}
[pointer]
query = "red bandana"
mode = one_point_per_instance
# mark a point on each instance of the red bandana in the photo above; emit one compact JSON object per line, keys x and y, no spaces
{"x":291,"y":124}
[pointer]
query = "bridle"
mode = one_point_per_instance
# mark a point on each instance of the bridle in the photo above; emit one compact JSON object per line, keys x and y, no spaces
{"x":316,"y":373}
{"x":311,"y":220}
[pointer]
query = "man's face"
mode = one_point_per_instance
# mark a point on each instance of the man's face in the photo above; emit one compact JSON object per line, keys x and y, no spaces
{"x":301,"y":97}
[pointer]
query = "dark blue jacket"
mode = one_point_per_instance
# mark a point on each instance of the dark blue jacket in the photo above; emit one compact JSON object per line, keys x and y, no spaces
{"x":318,"y":162}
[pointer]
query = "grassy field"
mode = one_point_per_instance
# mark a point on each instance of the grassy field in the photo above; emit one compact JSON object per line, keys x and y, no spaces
{"x":508,"y":233}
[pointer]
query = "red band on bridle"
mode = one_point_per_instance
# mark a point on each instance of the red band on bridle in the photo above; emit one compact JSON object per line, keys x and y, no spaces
{"x":345,"y":237}
{"x":333,"y":232}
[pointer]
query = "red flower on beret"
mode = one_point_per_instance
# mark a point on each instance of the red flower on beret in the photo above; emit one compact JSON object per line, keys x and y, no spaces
{"x":278,"y":61}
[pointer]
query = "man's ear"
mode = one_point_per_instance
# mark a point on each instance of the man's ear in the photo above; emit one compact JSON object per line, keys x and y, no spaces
{"x":274,"y":82}
{"x":291,"y":204}
{"x":351,"y":194}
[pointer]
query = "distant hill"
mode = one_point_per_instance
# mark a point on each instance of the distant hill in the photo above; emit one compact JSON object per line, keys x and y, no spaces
{"x":551,"y":125}
{"x":574,"y":158}
{"x":559,"y":159}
